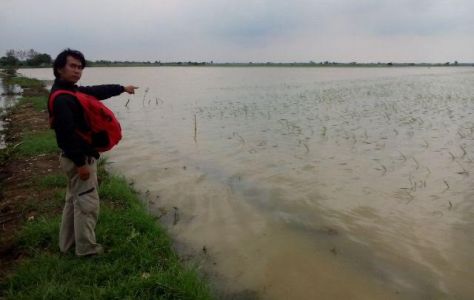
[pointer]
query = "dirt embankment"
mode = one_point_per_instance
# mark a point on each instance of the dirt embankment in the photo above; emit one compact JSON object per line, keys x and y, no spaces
{"x":20,"y":198}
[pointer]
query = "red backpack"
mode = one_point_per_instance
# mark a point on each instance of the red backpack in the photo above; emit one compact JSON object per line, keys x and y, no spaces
{"x":105,"y":131}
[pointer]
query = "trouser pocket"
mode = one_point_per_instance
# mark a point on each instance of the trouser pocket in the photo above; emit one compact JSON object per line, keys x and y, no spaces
{"x":88,"y":200}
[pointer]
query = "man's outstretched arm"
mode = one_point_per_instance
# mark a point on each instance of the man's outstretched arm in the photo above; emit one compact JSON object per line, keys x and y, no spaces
{"x":106,"y":91}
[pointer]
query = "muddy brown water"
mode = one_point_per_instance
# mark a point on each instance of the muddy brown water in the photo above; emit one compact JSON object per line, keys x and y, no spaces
{"x":307,"y":183}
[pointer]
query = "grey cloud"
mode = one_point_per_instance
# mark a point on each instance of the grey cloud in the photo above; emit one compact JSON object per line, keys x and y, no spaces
{"x":406,"y":17}
{"x":238,"y":29}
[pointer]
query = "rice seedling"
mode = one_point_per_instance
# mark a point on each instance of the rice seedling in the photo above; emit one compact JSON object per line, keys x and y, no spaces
{"x":144,"y":95}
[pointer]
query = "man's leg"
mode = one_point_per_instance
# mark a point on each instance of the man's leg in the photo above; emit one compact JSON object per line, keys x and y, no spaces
{"x":66,"y":231}
{"x":86,"y":211}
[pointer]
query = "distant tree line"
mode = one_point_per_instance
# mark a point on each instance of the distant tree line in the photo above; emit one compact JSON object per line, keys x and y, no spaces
{"x":24,"y":58}
{"x":15,"y":59}
{"x":144,"y":63}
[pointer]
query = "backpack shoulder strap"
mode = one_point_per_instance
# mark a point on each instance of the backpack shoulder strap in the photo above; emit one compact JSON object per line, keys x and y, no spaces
{"x":55,"y":94}
{"x":51,"y":99}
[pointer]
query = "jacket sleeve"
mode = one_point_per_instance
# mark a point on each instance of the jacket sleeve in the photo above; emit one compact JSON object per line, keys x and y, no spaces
{"x":102,"y":92}
{"x":65,"y":128}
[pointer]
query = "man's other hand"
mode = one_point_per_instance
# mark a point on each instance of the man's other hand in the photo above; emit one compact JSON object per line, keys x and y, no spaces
{"x":84,"y":172}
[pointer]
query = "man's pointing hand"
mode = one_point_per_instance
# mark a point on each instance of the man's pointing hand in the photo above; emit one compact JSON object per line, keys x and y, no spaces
{"x":130,"y":89}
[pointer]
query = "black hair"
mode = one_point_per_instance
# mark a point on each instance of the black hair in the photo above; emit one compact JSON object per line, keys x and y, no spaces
{"x":61,"y":60}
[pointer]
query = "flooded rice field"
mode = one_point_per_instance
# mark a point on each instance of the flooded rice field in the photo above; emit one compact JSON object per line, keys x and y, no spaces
{"x":306,"y":183}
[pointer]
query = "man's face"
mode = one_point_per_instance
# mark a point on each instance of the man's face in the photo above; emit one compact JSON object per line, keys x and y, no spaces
{"x":72,"y":71}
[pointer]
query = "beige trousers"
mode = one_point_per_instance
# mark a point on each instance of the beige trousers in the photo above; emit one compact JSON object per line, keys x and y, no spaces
{"x":81,"y":210}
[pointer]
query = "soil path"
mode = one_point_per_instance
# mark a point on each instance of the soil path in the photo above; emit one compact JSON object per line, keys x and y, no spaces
{"x":20,"y":198}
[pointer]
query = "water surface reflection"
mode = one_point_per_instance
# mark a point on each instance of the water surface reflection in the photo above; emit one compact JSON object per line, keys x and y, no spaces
{"x":308,"y":182}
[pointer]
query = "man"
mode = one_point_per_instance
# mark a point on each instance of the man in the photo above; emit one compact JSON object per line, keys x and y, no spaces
{"x":78,"y":158}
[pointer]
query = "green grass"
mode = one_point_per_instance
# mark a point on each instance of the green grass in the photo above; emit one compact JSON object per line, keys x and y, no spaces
{"x":39,"y":102}
{"x":138,"y":263}
{"x":25,"y":82}
{"x":52,"y":181}
{"x":37,"y":143}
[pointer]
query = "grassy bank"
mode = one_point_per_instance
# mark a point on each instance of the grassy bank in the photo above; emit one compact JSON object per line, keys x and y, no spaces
{"x":139,"y":262}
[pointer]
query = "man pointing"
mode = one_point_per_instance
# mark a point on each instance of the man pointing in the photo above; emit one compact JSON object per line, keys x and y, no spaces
{"x":79,"y":155}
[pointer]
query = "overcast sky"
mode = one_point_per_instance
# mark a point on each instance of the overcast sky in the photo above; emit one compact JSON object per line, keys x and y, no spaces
{"x":244,"y":30}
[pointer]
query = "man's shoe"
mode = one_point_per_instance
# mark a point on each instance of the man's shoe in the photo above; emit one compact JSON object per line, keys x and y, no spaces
{"x":98,"y":251}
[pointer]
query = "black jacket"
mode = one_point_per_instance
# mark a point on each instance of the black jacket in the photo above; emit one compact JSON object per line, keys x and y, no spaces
{"x":68,"y":116}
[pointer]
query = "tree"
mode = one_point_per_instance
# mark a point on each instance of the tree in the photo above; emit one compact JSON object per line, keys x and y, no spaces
{"x":18,"y":54}
{"x":16,"y":58}
{"x":9,"y":62}
{"x":30,"y":54}
{"x":39,"y":59}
